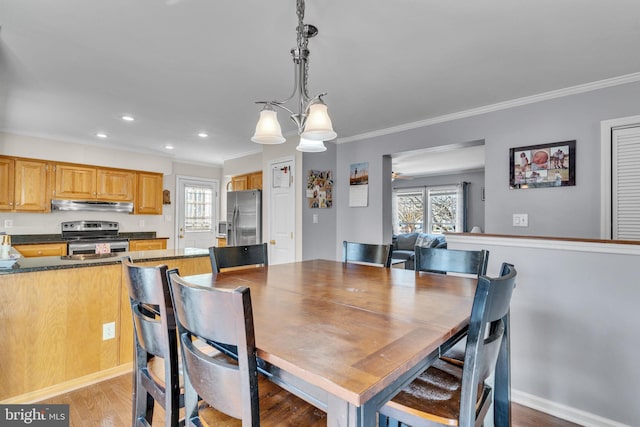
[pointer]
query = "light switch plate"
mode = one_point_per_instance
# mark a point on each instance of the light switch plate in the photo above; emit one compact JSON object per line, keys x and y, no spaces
{"x":520,"y":220}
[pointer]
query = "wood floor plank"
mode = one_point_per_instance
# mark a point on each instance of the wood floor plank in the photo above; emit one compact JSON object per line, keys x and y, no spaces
{"x":108,"y":404}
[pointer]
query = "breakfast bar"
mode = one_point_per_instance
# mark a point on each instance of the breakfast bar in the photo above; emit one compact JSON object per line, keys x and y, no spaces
{"x":67,"y":322}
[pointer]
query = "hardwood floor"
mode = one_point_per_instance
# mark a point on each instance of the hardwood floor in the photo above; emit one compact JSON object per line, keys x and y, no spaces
{"x":108,"y":404}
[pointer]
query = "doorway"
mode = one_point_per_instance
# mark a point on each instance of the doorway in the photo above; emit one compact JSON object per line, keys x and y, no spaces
{"x":196,"y":212}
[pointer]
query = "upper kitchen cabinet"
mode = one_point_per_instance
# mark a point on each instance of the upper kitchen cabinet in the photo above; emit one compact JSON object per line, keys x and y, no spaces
{"x":87,"y":183}
{"x":255,"y":181}
{"x":250,"y":181}
{"x":148,"y":194}
{"x":24,"y":185}
{"x":75,"y":182}
{"x":116,"y":185}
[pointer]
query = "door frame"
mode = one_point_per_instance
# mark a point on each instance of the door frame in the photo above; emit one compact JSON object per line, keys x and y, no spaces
{"x":179,"y":203}
{"x":606,"y":131}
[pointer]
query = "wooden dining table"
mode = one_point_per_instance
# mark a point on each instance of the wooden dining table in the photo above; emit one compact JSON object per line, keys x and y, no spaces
{"x":348,"y":337}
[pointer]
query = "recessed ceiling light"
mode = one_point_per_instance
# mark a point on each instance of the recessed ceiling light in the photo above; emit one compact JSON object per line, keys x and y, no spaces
{"x":168,"y":147}
{"x":101,"y":135}
{"x":203,"y":134}
{"x":127,"y":118}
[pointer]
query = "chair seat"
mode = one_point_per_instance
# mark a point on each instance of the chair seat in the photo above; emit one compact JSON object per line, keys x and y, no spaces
{"x":434,"y":396}
{"x":277,"y":408}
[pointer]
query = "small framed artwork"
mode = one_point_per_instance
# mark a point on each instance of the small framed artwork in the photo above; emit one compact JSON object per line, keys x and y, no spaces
{"x":543,"y":165}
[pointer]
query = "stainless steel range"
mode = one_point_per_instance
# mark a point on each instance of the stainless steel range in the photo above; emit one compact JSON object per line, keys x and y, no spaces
{"x":86,"y":237}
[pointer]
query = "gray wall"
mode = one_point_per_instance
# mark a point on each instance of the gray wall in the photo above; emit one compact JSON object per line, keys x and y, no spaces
{"x":475,"y":204}
{"x":319,"y":239}
{"x":560,"y":212}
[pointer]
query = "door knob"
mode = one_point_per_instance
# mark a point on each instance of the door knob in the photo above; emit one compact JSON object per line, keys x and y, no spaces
{"x":272,"y":242}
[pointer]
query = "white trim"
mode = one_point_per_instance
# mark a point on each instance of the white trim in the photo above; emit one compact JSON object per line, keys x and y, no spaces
{"x":572,"y":90}
{"x":545,"y":243}
{"x":606,"y":127}
{"x":568,"y":413}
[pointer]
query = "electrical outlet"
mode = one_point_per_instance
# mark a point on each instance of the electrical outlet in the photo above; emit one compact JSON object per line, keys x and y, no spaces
{"x":8,"y":223}
{"x":315,"y":218}
{"x":141,"y":223}
{"x":520,"y":220}
{"x":108,"y":331}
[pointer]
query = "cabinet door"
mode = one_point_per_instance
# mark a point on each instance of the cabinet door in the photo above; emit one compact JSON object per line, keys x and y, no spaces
{"x":239,"y":183}
{"x":75,"y":182}
{"x":116,"y":185}
{"x":255,"y":181}
{"x":45,"y":249}
{"x":32,"y":186}
{"x":6,"y":184}
{"x":149,"y":194}
{"x":147,"y":245}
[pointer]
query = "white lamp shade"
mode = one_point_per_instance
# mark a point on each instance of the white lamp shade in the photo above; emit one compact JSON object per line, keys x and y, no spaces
{"x":309,"y":146}
{"x":476,"y":229}
{"x":268,"y":129}
{"x":318,"y":126}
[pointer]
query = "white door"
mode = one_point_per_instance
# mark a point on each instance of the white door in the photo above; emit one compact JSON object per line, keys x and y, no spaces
{"x":625,"y":191}
{"x":196,"y":212}
{"x":281,"y":213}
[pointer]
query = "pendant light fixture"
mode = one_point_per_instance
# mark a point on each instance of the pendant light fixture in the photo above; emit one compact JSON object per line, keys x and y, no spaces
{"x":312,"y":120}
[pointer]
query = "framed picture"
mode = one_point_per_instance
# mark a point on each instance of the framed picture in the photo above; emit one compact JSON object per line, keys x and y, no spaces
{"x":544,"y":165}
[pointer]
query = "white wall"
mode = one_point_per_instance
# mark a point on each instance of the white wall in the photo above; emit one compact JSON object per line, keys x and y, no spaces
{"x":574,"y":325}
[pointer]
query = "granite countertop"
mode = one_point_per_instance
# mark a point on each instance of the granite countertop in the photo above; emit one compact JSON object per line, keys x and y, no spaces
{"x":27,"y":265}
{"x":34,"y":239}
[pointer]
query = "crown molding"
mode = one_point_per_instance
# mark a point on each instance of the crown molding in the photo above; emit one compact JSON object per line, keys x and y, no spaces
{"x":545,"y":96}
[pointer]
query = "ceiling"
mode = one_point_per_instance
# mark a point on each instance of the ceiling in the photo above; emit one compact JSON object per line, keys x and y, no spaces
{"x":71,"y":68}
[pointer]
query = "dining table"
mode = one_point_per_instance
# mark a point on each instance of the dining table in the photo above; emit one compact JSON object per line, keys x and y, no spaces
{"x":348,"y":337}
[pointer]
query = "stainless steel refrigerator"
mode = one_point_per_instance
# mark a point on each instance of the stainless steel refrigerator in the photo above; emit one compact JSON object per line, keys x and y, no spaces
{"x":244,"y":217}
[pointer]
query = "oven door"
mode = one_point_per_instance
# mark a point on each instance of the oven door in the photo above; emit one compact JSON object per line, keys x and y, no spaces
{"x":90,"y":247}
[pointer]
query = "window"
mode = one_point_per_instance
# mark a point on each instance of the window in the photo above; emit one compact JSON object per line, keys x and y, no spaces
{"x":442,"y":207}
{"x":198,"y":214}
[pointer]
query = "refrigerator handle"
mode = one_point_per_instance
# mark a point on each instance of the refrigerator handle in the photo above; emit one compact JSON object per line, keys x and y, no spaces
{"x":235,"y":226}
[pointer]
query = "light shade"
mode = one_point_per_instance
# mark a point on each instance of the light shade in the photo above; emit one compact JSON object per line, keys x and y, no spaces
{"x":318,"y":126}
{"x":476,"y":229}
{"x":309,"y":146}
{"x":268,"y":129}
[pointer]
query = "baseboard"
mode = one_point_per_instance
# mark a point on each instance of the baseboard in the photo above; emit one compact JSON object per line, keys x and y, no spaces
{"x":562,"y":411}
{"x":67,"y":386}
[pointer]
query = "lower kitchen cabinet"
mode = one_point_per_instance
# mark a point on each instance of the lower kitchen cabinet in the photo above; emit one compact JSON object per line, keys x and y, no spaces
{"x":147,"y":245}
{"x":42,"y":249}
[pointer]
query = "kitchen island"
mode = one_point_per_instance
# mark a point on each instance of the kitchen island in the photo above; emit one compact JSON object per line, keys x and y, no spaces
{"x":57,"y":315}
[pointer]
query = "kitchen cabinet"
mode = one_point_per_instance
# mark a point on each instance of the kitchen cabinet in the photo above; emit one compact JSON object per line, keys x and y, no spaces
{"x":147,"y":245}
{"x":85,"y":183}
{"x":255,"y":181}
{"x":24,"y":185}
{"x":148,"y":194}
{"x":116,"y":185}
{"x":75,"y":182}
{"x":239,"y":183}
{"x":42,"y":249}
{"x":250,"y":181}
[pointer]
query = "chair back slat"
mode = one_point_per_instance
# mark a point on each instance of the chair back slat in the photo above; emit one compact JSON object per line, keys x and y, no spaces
{"x":451,"y":261}
{"x":236,"y":256}
{"x":221,"y":316}
{"x":366,"y":253}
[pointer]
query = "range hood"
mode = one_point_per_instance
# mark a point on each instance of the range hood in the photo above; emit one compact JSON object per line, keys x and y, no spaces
{"x":95,"y":206}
